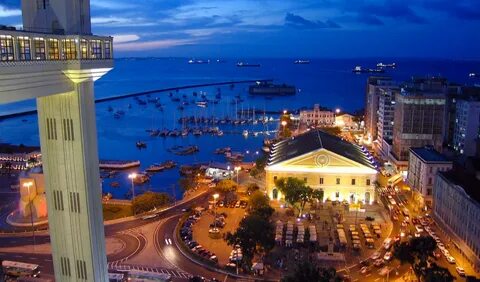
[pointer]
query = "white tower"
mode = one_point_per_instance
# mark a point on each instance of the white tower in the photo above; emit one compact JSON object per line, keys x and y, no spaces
{"x":57,"y":60}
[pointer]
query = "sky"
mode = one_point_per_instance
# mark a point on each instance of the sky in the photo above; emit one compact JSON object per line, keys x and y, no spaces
{"x":284,"y":28}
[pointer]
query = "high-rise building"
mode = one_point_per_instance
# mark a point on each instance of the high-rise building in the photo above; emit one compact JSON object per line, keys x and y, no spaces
{"x":467,"y":127}
{"x":56,"y":60}
{"x":374,"y":84}
{"x":386,"y":107}
{"x":419,"y":118}
{"x":423,"y":164}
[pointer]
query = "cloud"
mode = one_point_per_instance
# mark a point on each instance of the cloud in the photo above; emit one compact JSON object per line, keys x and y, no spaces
{"x":394,"y":10}
{"x":114,"y":21}
{"x":124,"y":38}
{"x":300,"y":22}
{"x":369,"y":20}
{"x":111,"y":5}
{"x":465,"y":10}
{"x":8,"y":12}
{"x":152,"y":45}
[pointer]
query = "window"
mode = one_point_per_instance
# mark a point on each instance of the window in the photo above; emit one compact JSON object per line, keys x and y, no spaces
{"x":337,"y":194}
{"x":430,"y":169}
{"x":338,"y":181}
{"x":305,"y":179}
{"x":429,"y":181}
{"x":96,"y":49}
{"x":39,"y":45}
{"x":69,"y":49}
{"x":6,"y":48}
{"x":368,"y":182}
{"x":53,"y":50}
{"x":84,"y":48}
{"x":353,"y":181}
{"x":24,"y":53}
{"x":321,"y":180}
{"x":274,"y":178}
{"x":42,"y":4}
{"x":429,"y":192}
{"x":108,"y":50}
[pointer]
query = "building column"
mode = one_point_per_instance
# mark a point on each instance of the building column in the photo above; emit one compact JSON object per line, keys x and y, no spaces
{"x":68,"y":138}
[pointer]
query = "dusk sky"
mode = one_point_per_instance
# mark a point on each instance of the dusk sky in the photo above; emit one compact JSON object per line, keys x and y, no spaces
{"x":284,"y":28}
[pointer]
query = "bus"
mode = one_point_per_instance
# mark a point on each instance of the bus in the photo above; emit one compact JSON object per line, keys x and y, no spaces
{"x":116,"y":277}
{"x":20,"y":269}
{"x":147,"y":276}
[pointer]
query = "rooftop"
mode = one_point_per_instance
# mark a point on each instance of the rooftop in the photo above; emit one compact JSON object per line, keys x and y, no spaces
{"x":314,"y":140}
{"x":374,"y":80}
{"x":17,"y":149}
{"x":429,"y":155}
{"x":469,"y":183}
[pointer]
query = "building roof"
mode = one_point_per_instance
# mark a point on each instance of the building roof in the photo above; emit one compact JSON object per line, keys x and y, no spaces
{"x":429,"y":155}
{"x":462,"y":178}
{"x":6,"y":148}
{"x":314,"y":140}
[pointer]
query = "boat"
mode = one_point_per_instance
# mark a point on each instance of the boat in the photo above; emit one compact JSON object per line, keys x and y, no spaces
{"x":187,"y":151}
{"x":155,"y":168}
{"x":202,"y":104}
{"x":242,"y":64}
{"x":219,"y":133}
{"x":198,"y":62}
{"x":141,"y":145}
{"x":245,"y":133}
{"x":234,"y":157}
{"x":113,"y":164}
{"x":222,"y":151}
{"x":197,"y":132}
{"x":473,"y":75}
{"x":268,"y":88}
{"x":302,"y":62}
{"x":359,"y":69}
{"x":169,"y":164}
{"x":185,"y":132}
{"x":382,"y":65}
{"x":141,"y":178}
{"x":115,"y":184}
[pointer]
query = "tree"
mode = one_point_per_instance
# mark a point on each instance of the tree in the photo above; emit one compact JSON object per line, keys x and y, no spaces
{"x":187,"y":183}
{"x":149,"y":200}
{"x":295,"y":191}
{"x":403,"y":252}
{"x":437,"y":273}
{"x":255,"y":235}
{"x":226,"y":185}
{"x":306,"y":271}
{"x":252,"y":187}
{"x":259,"y":204}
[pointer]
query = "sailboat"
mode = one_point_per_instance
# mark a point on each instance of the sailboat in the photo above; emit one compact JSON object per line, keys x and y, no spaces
{"x":255,"y":121}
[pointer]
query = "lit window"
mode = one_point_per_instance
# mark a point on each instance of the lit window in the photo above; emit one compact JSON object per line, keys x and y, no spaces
{"x":368,"y":182}
{"x":338,"y":181}
{"x":24,"y":53}
{"x":53,"y":50}
{"x":6,"y":48}
{"x":69,"y":49}
{"x":84,"y":48}
{"x":108,"y":50}
{"x":39,"y":45}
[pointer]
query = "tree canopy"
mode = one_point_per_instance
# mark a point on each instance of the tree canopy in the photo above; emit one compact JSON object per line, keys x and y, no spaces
{"x":296,"y":192}
{"x":149,"y":200}
{"x":259,"y":204}
{"x":226,"y":185}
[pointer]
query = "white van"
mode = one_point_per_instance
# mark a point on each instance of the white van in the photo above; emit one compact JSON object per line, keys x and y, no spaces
{"x":387,"y":243}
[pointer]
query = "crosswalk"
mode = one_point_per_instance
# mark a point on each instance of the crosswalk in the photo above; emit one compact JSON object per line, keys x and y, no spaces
{"x":127,"y":267}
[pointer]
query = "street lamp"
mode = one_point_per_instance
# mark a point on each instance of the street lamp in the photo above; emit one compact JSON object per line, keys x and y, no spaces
{"x":237,"y":169}
{"x":132,"y":177}
{"x":337,"y":111}
{"x":284,"y":123}
{"x":215,"y":197}
{"x":28,"y":185}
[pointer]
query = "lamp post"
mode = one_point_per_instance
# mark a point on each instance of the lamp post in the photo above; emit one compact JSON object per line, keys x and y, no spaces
{"x":215,"y":197}
{"x":132,"y":177}
{"x":237,"y":170}
{"x":284,"y":123}
{"x":28,"y":185}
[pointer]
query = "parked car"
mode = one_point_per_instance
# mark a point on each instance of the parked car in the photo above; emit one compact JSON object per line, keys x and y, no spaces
{"x":460,"y":270}
{"x":387,"y":256}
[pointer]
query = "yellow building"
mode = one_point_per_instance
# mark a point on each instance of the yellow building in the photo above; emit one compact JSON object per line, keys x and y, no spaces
{"x":344,"y":171}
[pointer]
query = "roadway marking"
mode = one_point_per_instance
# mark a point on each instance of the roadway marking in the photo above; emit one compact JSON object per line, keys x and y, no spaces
{"x":172,"y":272}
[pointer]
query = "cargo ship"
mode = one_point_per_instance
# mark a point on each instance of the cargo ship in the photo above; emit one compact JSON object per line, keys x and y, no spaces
{"x":268,"y":88}
{"x":359,"y":69}
{"x":302,"y":62}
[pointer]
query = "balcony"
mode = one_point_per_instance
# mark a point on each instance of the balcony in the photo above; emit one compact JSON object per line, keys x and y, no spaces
{"x":54,"y":51}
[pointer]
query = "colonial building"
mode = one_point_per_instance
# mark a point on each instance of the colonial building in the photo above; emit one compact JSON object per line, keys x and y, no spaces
{"x":422,"y":166}
{"x":457,"y":210}
{"x":342,"y":170}
{"x":318,"y":117}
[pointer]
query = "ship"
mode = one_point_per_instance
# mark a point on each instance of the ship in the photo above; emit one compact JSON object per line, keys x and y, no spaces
{"x":302,"y":62}
{"x":242,"y":64}
{"x":359,"y":69}
{"x":268,"y":88}
{"x":192,"y":61}
{"x":473,"y":75}
{"x":382,"y":65}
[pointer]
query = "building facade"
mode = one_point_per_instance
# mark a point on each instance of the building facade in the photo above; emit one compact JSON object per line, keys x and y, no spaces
{"x":386,"y":107}
{"x":374,"y":84}
{"x":423,"y":165}
{"x":56,"y":60}
{"x":457,"y":210}
{"x":317,"y":117}
{"x":419,"y":118}
{"x":467,"y":127}
{"x":343,"y":171}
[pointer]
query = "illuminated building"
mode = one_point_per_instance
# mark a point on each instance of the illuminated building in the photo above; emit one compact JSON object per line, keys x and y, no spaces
{"x":374,"y":84}
{"x":317,"y":117}
{"x":56,"y":60}
{"x":342,"y":170}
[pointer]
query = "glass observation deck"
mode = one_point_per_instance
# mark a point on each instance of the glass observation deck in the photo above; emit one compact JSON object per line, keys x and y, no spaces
{"x":23,"y":46}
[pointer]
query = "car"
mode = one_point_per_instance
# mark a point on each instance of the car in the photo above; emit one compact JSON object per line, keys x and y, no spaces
{"x":237,"y":205}
{"x":437,"y":254}
{"x":150,"y":216}
{"x":417,"y":234}
{"x":451,"y":259}
{"x":379,"y":263}
{"x":221,"y":204}
{"x":213,"y":258}
{"x":376,"y":255}
{"x":460,"y":270}
{"x":404,"y":224}
{"x":419,"y":228}
{"x":364,"y":270}
{"x":387,"y":256}
{"x":395,"y":218}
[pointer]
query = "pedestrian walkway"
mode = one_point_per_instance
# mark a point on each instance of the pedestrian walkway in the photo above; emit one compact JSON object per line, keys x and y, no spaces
{"x":127,"y":267}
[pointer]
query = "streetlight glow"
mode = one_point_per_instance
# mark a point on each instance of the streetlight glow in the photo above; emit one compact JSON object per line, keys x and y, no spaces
{"x":28,"y":185}
{"x":132,"y":176}
{"x":337,"y":111}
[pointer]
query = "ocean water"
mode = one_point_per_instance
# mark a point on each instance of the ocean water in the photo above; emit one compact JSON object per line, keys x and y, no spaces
{"x":328,"y":82}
